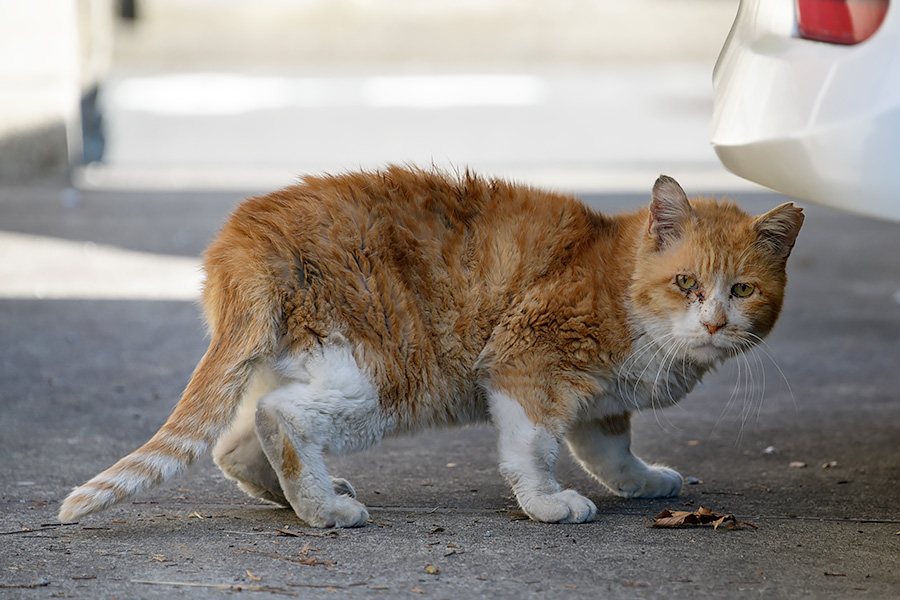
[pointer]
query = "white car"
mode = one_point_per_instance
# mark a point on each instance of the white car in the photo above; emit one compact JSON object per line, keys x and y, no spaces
{"x":807,"y":101}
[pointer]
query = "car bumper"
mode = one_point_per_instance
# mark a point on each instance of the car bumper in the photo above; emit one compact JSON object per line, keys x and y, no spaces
{"x":816,"y":121}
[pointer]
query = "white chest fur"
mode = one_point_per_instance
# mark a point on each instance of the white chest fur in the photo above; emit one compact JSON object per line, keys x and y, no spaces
{"x":656,"y":374}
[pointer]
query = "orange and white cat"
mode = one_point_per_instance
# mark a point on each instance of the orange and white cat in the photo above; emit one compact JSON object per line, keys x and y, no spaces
{"x":349,"y":308}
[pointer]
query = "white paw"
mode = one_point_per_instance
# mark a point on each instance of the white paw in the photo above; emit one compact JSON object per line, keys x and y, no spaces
{"x":567,"y":506}
{"x":648,"y":482}
{"x":347,"y":512}
{"x":344,"y":511}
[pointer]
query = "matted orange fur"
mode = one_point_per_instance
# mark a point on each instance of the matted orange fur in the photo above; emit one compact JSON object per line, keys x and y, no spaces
{"x":347,"y":308}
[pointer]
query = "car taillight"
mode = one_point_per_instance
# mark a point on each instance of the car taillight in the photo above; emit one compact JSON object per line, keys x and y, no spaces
{"x":840,"y":21}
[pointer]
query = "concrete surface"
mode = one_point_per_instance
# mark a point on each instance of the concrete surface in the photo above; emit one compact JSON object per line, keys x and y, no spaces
{"x":85,"y":381}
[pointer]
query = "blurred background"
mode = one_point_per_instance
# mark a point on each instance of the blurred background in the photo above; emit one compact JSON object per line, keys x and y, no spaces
{"x":583,"y":95}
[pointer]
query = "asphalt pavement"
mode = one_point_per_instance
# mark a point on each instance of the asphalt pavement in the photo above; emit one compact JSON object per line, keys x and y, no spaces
{"x":805,"y":449}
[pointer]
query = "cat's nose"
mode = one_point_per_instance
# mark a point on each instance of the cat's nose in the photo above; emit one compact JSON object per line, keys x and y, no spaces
{"x":713,"y":327}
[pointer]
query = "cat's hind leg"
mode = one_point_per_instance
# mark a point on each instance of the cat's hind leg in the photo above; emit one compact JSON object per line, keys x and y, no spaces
{"x":330,"y":405}
{"x":239,"y":454}
{"x":241,"y":458}
{"x":528,"y":454}
{"x":603,"y":447}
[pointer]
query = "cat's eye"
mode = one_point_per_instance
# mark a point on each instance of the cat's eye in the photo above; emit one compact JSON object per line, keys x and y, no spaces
{"x":686,"y":282}
{"x":742,"y":290}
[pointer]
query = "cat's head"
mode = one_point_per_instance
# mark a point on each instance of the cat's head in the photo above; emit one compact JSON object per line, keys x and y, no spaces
{"x":709,"y":279}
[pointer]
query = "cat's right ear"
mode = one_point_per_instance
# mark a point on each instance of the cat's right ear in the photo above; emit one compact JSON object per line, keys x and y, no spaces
{"x":670,"y":211}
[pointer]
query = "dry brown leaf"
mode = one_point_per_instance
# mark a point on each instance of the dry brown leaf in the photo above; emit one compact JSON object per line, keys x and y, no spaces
{"x":677,"y":518}
{"x":311,"y":560}
{"x":701,"y":516}
{"x":286,"y":531}
{"x":432,"y":570}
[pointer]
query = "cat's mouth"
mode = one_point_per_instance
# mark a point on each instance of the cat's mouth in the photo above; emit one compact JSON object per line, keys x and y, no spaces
{"x":710,"y":349}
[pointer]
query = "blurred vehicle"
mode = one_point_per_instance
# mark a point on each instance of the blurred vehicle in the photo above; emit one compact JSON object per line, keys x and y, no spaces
{"x":807,"y":101}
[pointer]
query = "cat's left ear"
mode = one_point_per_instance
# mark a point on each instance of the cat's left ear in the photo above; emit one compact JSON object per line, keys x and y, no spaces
{"x":670,"y":211}
{"x":779,"y":227}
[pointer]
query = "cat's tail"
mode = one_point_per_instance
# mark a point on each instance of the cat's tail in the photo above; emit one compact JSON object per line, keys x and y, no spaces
{"x":205,"y":411}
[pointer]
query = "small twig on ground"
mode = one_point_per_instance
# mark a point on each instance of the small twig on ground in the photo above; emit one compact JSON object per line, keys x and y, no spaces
{"x":232,"y":587}
{"x":26,"y":586}
{"x":310,"y":560}
{"x":42,"y":527}
{"x":285,"y":531}
{"x":338,"y":586}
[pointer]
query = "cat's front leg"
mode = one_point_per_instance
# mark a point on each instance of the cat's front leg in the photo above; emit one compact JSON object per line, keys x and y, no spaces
{"x":528,"y":453}
{"x":603,"y":447}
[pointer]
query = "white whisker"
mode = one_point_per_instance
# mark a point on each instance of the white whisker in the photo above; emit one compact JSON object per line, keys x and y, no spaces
{"x":750,"y":379}
{"x":748,"y":396}
{"x":732,"y":398}
{"x":754,"y":352}
{"x":634,"y":364}
{"x":655,"y":395}
{"x":766,"y":349}
{"x":649,"y":378}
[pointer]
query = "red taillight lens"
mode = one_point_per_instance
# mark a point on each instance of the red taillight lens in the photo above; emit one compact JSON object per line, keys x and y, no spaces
{"x":840,"y":21}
